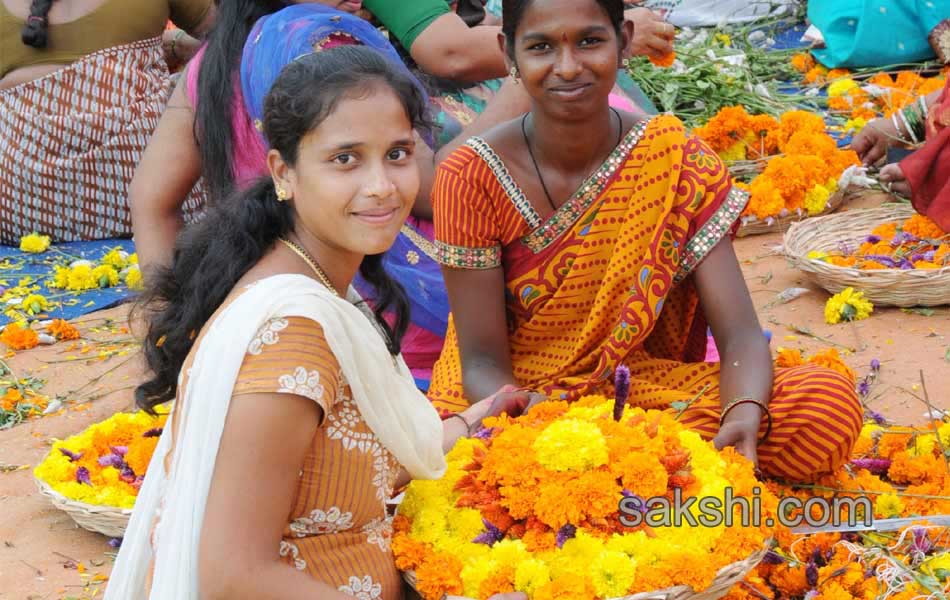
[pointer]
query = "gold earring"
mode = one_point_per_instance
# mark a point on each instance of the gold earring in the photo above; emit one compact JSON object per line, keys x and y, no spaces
{"x":281,"y":194}
{"x":514,"y":73}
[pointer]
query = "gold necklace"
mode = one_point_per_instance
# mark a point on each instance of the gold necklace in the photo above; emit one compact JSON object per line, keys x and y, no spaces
{"x":321,"y":275}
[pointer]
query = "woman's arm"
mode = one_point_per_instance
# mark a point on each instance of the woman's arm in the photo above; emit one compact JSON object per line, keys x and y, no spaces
{"x":477,"y":299}
{"x":450,"y":49}
{"x":746,"y":362}
{"x":252,"y":491}
{"x":169,"y":168}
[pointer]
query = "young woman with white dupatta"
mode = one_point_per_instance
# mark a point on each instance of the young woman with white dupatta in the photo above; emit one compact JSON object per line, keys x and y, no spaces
{"x":295,"y":415}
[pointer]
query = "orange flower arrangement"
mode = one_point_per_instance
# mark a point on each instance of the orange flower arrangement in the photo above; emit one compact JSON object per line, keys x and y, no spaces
{"x":915,"y":243}
{"x":19,"y":338}
{"x":533,"y":504}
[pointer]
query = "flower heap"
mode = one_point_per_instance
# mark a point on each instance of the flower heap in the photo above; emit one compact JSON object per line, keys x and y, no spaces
{"x":81,"y":275}
{"x":803,"y":175}
{"x":531,"y":504}
{"x":23,"y":337}
{"x":903,"y":471}
{"x":828,"y":358}
{"x":847,"y":305}
{"x":915,"y":243}
{"x":19,"y":401}
{"x":105,"y":464}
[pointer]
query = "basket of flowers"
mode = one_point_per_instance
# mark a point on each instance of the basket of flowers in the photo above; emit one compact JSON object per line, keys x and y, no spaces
{"x":567,"y":501}
{"x":95,"y":476}
{"x":892,"y":254}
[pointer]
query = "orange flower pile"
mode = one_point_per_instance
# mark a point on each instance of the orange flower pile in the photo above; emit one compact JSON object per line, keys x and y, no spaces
{"x":532,"y":504}
{"x":62,"y":330}
{"x":916,"y":243}
{"x":800,"y":179}
{"x":902,"y":471}
{"x":828,"y":358}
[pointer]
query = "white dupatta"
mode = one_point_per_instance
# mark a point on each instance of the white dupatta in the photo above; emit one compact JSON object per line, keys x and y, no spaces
{"x":383,"y":389}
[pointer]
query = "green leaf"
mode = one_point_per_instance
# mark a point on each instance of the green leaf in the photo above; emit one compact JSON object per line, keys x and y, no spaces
{"x":924,"y":312}
{"x":679,"y":406}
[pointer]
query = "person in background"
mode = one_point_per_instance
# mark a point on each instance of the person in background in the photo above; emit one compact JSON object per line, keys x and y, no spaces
{"x":82,"y":87}
{"x":923,"y":175}
{"x":577,"y":239}
{"x":294,"y":414}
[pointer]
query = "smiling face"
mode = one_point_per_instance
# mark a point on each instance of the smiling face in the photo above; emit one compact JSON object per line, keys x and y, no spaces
{"x":355,"y":179}
{"x":567,"y":53}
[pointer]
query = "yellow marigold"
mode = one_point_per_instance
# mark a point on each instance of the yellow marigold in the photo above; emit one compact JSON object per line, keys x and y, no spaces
{"x":105,"y":276}
{"x":888,"y":506}
{"x":855,"y":125}
{"x":116,"y":258}
{"x":571,"y":445}
{"x":832,"y":360}
{"x":817,"y":199}
{"x":612,"y":574}
{"x":34,"y":243}
{"x":530,"y":575}
{"x":80,"y":278}
{"x":19,"y":338}
{"x":733,"y":153}
{"x":133,"y":278}
{"x":134,"y":258}
{"x":847,"y":305}
{"x":62,"y":330}
{"x":34,"y":304}
{"x":841,"y":87}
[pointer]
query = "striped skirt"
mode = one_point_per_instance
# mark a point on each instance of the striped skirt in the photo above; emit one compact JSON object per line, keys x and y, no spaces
{"x":70,"y":143}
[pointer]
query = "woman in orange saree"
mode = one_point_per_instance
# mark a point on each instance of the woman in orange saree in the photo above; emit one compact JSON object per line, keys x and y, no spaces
{"x":614,"y":274}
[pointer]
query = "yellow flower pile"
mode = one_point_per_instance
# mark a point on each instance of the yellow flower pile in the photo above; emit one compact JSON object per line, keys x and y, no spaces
{"x":533,"y":504}
{"x":113,"y":267}
{"x":805,"y":166}
{"x":847,"y":305}
{"x":34,"y":243}
{"x":106,"y":463}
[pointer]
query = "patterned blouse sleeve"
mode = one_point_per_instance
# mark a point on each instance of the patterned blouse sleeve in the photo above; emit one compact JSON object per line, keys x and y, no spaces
{"x":291,"y":356}
{"x":466,"y":225}
{"x":714,"y":209}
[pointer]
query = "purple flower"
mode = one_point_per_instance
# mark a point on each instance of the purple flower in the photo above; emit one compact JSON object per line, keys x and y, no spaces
{"x":887,"y":261}
{"x":921,"y":542}
{"x":906,"y":265}
{"x":484,"y":433}
{"x":82,"y":476}
{"x":491,"y":535}
{"x":112,"y":460}
{"x":929,"y":255}
{"x":621,"y":390}
{"x":875,"y":364}
{"x":772,"y":558}
{"x":811,"y":574}
{"x":565,"y":533}
{"x":127,"y":475}
{"x":641,"y":503}
{"x":878,"y":466}
{"x":120,"y":450}
{"x":72,"y":456}
{"x":872,"y":239}
{"x":810,"y":594}
{"x":864,"y":388}
{"x":902,"y":237}
{"x":115,"y":542}
{"x":155,"y":432}
{"x":878,"y":418}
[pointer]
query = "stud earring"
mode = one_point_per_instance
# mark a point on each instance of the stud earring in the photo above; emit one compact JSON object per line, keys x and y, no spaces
{"x":514,"y":73}
{"x":281,"y":194}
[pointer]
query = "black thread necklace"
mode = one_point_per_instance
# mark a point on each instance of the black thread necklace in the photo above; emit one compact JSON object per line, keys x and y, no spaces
{"x":524,"y":133}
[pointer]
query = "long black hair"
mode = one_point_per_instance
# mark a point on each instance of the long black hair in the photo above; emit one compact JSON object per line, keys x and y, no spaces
{"x":513,"y":10}
{"x":216,"y":79}
{"x":36,"y":30}
{"x":213,"y":254}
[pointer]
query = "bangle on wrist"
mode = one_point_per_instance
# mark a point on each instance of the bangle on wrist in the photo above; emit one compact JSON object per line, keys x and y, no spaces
{"x":748,"y":400}
{"x":468,"y":426}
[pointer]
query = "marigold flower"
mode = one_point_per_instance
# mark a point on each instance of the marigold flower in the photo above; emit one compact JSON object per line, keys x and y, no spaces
{"x":105,"y":276}
{"x":664,"y":61}
{"x":62,"y":330}
{"x":34,"y":243}
{"x":888,"y":506}
{"x":133,"y":279}
{"x":847,"y":305}
{"x":19,"y":338}
{"x":34,"y":304}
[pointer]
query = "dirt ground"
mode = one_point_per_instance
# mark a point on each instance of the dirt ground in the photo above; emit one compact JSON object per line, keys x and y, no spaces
{"x":43,"y":555}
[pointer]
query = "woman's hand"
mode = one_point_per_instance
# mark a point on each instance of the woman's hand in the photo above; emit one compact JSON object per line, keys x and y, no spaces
{"x":741,"y":430}
{"x":872,"y":142}
{"x":652,"y":36}
{"x":893,"y":179}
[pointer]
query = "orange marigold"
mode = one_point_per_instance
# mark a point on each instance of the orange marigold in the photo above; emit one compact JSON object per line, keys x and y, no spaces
{"x":19,"y":338}
{"x":566,"y":587}
{"x":438,"y":576}
{"x":10,"y":399}
{"x":499,"y":582}
{"x":803,"y":62}
{"x":409,"y":553}
{"x":788,"y":357}
{"x":832,"y":360}
{"x":923,"y":227}
{"x":643,"y":474}
{"x":664,"y":61}
{"x":62,"y":330}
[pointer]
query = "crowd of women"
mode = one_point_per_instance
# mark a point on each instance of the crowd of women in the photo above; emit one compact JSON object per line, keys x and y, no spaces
{"x":477,"y":204}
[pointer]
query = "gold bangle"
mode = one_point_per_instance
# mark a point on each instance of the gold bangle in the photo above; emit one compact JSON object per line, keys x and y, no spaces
{"x":748,"y":400}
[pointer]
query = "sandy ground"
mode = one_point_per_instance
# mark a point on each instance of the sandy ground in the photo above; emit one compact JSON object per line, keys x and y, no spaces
{"x":43,"y":555}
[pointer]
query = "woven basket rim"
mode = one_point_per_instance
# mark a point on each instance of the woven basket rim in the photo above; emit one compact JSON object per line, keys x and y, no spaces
{"x":59,"y":499}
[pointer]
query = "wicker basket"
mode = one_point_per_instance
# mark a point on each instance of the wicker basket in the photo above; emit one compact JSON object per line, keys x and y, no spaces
{"x":752,"y":226}
{"x":887,"y":287}
{"x":727,"y":577}
{"x":107,"y":520}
